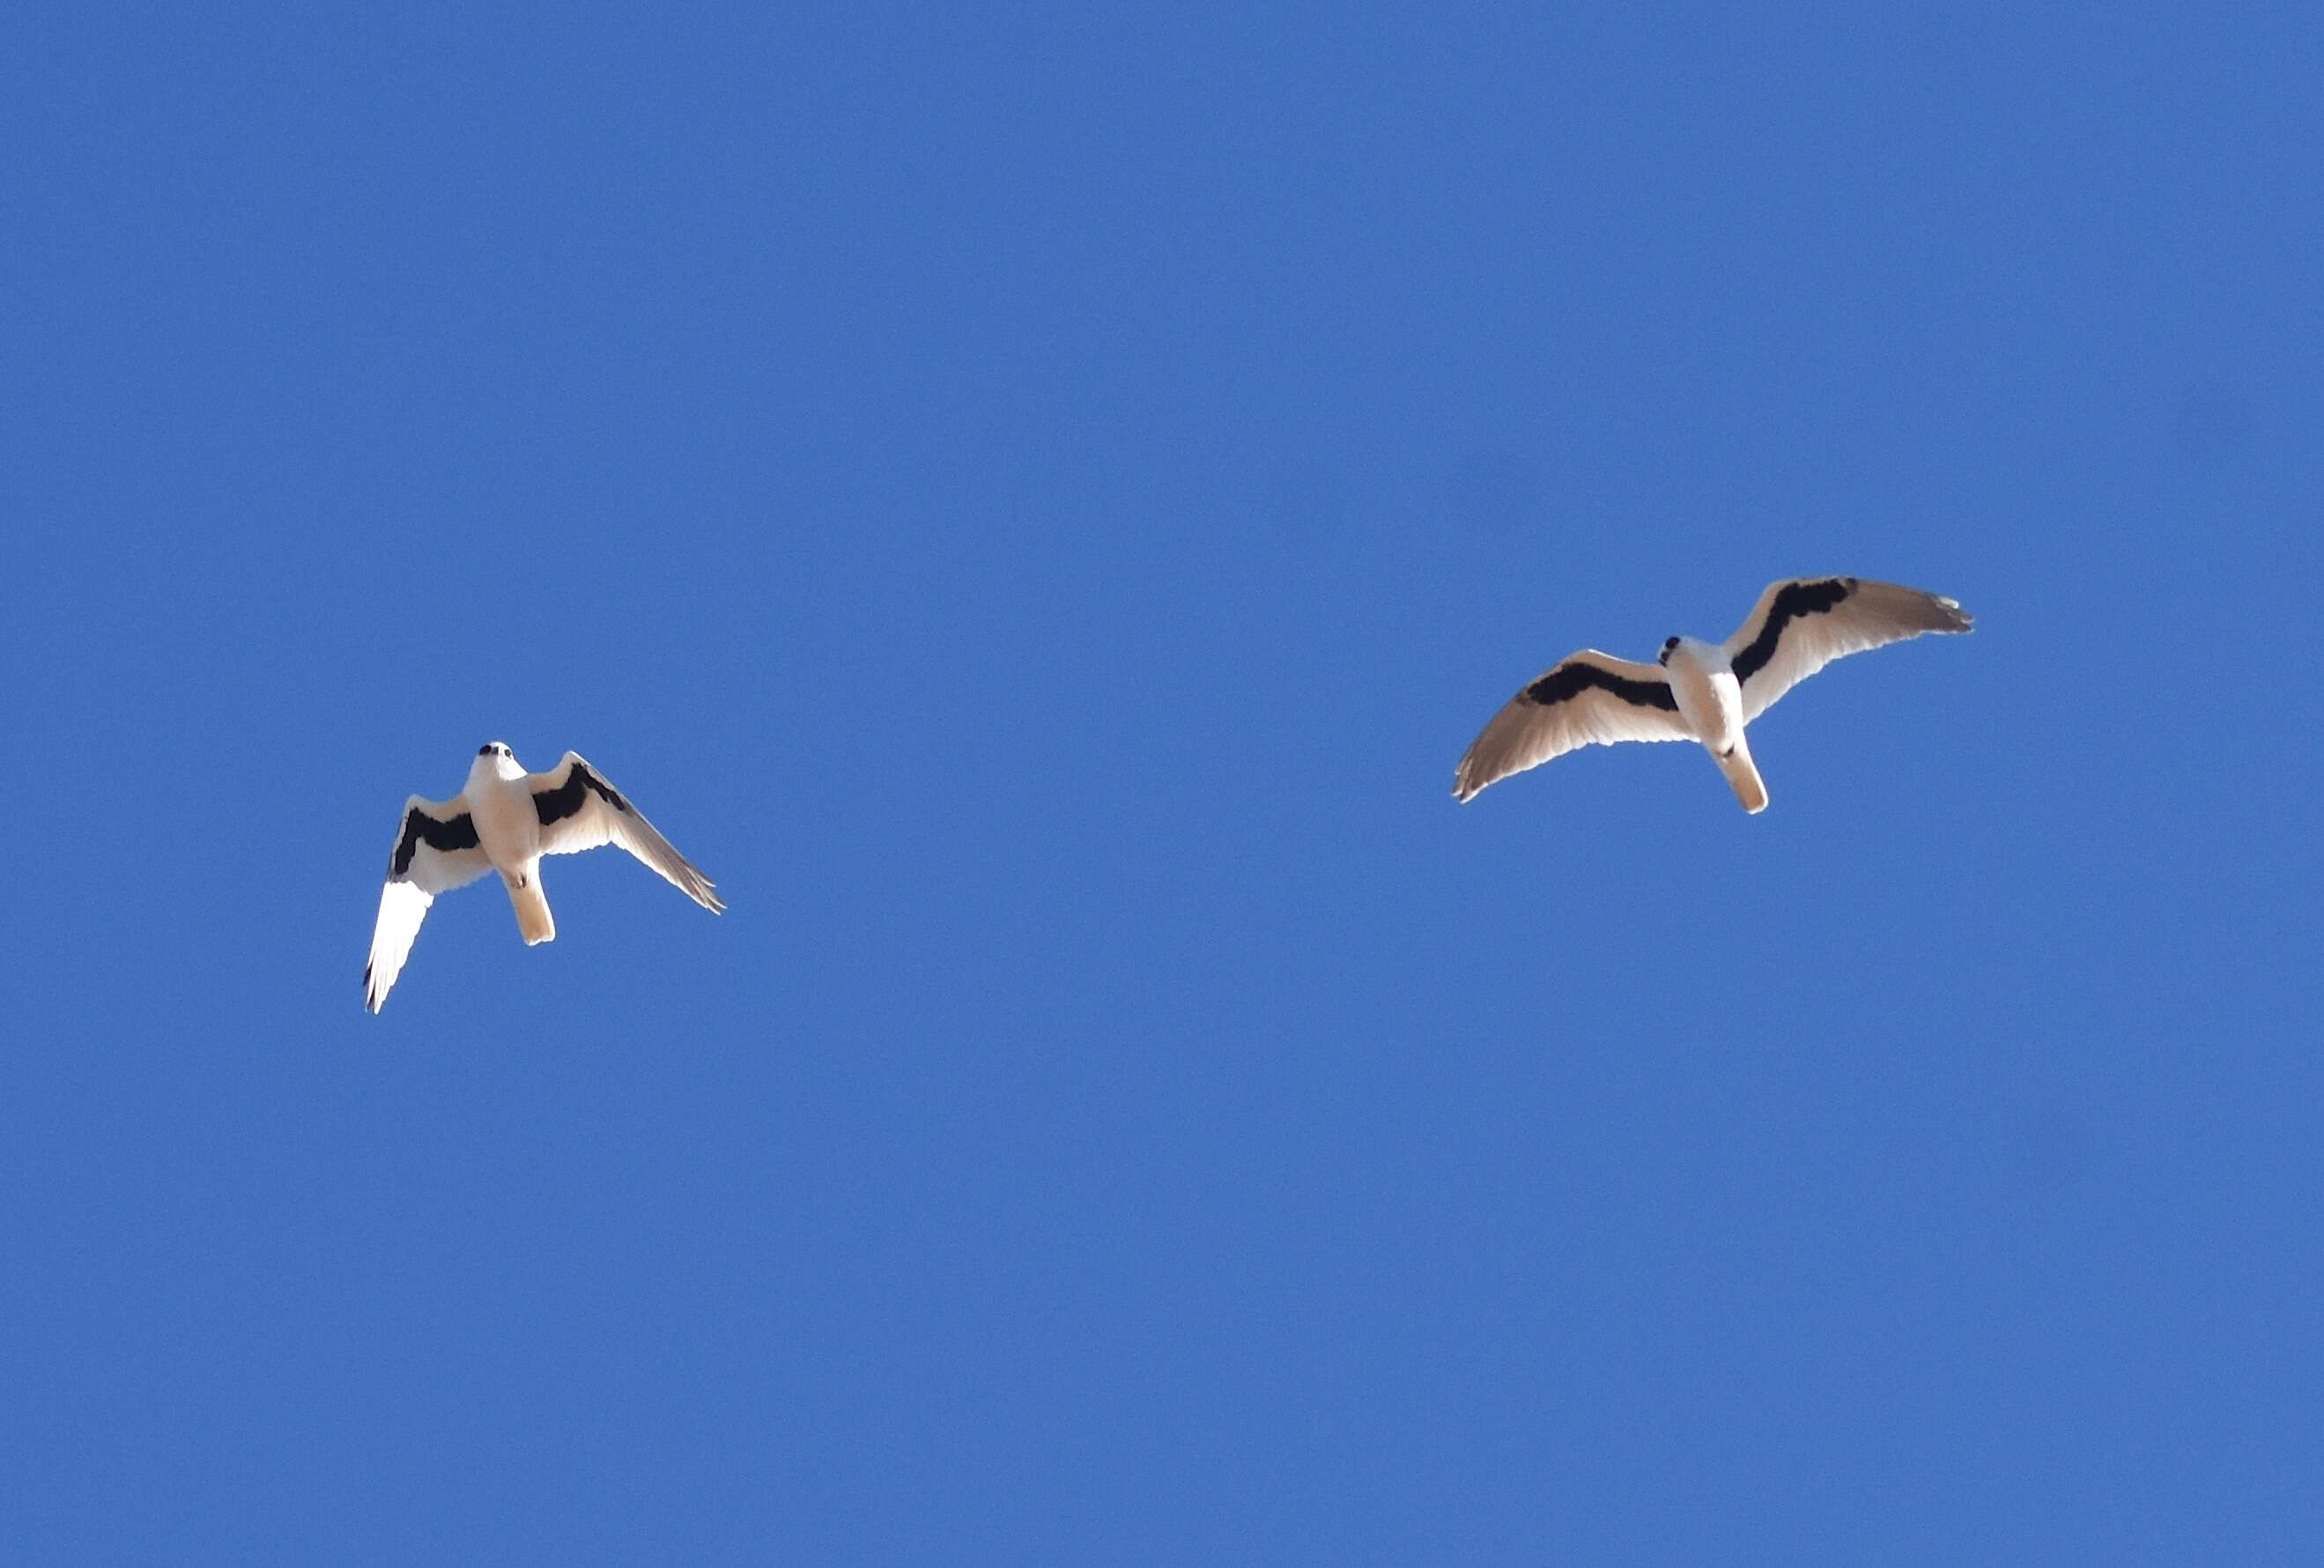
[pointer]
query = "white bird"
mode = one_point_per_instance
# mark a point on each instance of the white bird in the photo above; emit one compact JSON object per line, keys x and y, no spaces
{"x":506,"y":819}
{"x":1703,"y":691}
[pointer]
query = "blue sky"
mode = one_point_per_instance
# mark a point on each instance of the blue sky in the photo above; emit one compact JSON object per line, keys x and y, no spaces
{"x":1034,"y":500}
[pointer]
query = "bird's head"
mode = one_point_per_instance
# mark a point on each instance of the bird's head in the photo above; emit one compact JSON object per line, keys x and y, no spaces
{"x":494,"y":757}
{"x":1670,"y":646}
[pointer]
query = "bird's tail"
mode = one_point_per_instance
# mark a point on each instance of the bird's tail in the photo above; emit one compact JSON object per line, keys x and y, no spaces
{"x":1743,"y":776}
{"x":532,"y":918}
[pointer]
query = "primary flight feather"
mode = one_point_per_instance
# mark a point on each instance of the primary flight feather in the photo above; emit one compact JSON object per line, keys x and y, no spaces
{"x":1703,"y":691}
{"x":504,"y":819}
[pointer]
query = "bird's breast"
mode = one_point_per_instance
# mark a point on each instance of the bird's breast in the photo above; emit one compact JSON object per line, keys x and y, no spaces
{"x":1710,"y":700}
{"x":507,"y":826}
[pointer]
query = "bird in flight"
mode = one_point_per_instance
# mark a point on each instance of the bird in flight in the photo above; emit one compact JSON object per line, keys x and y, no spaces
{"x":504,"y":819}
{"x":1703,"y":691}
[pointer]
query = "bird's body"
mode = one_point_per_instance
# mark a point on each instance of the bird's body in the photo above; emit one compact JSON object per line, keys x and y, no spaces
{"x":506,"y":819}
{"x":508,"y":830}
{"x":1706,"y":692}
{"x":1710,"y":700}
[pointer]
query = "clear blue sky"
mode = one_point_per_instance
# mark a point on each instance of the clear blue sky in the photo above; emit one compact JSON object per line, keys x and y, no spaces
{"x":1034,"y":500}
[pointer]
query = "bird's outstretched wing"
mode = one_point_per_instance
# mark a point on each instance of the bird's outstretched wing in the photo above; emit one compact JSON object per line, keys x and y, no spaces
{"x":579,"y":810}
{"x":1798,"y":627}
{"x":436,"y":851}
{"x":1588,"y":699}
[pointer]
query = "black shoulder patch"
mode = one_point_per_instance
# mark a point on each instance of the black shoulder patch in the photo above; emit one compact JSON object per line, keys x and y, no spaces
{"x":557,"y":805}
{"x":1571,"y":678}
{"x":1796,"y":600}
{"x":460,"y":832}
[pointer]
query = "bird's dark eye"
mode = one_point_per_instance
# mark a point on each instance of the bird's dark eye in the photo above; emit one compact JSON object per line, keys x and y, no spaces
{"x":484,"y":750}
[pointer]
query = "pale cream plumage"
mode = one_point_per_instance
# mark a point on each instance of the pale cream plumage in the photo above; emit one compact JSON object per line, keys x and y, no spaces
{"x":1703,"y":691}
{"x":506,"y":819}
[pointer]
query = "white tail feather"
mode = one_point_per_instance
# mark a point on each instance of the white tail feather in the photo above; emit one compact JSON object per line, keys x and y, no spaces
{"x":533,"y":921}
{"x":1743,"y":776}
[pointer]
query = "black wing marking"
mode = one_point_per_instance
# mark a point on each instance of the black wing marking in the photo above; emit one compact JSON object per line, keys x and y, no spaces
{"x":1795,"y":601}
{"x":1575,"y":676}
{"x":557,"y":805}
{"x":458,"y":832}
